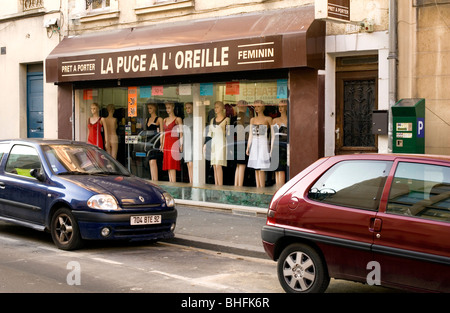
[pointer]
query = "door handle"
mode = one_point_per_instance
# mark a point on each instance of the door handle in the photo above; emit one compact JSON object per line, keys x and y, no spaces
{"x":375,"y":224}
{"x":2,"y":185}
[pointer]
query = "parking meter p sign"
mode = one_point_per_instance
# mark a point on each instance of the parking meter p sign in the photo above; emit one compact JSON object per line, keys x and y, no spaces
{"x":420,"y":127}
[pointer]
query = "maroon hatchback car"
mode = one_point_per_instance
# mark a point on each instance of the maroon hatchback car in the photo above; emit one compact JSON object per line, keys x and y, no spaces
{"x":377,"y":219}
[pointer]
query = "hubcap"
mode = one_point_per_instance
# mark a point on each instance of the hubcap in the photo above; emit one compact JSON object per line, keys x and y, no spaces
{"x":299,"y":271}
{"x":64,"y":229}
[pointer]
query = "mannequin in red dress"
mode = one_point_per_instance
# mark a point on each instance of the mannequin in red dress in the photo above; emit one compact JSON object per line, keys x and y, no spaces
{"x":95,"y":123}
{"x":173,"y":145}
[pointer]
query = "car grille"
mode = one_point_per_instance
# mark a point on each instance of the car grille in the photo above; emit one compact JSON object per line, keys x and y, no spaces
{"x":143,"y":231}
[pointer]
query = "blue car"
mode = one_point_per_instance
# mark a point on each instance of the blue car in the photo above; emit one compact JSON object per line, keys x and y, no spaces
{"x":78,"y":192}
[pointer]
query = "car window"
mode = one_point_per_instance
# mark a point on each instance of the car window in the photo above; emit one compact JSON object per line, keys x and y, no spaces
{"x":421,"y":190}
{"x":81,"y":159}
{"x":21,"y":160}
{"x":356,"y":184}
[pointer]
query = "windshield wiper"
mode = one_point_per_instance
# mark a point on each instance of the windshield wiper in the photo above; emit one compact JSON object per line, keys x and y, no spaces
{"x":74,"y":173}
{"x":111,"y":173}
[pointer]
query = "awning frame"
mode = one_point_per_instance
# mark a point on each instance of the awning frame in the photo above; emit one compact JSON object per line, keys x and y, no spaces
{"x":277,"y":39}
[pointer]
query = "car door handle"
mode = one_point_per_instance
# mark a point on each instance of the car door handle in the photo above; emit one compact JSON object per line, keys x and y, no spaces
{"x":375,"y":224}
{"x":2,"y":185}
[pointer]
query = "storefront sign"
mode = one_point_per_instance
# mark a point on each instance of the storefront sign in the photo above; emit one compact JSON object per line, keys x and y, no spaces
{"x":335,"y":10}
{"x":226,"y":56}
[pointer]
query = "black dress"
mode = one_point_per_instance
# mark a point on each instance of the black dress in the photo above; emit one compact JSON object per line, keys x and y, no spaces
{"x":279,"y":150}
{"x":153,"y":140}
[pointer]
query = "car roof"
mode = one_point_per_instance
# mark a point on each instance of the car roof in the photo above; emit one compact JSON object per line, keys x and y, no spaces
{"x":393,"y":156}
{"x":41,"y":141}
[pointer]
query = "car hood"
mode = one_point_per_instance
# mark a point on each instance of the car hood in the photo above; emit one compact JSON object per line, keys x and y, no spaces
{"x":127,"y":190}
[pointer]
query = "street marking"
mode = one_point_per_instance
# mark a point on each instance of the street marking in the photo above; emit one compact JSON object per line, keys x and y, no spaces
{"x":107,"y":261}
{"x":9,"y":239}
{"x":197,"y":281}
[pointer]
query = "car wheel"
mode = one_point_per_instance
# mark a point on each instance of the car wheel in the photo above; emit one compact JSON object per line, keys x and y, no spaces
{"x":301,"y":270}
{"x":65,"y":231}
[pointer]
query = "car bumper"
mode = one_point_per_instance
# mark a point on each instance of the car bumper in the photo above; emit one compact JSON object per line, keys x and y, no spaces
{"x":92,"y":225}
{"x":270,"y":235}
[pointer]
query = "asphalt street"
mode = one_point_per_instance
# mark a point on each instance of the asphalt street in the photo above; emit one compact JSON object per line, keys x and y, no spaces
{"x":225,"y":231}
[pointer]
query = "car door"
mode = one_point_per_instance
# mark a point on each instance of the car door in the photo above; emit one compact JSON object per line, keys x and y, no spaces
{"x":23,"y":197}
{"x":344,"y":203}
{"x":413,"y":246}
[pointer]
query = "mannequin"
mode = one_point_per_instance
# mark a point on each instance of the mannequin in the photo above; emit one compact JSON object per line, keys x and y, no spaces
{"x":217,"y":133}
{"x":279,"y":135}
{"x":189,"y":123}
{"x":172,"y":146}
{"x":95,"y":124}
{"x":155,"y":125}
{"x":241,"y":138}
{"x":112,"y":141}
{"x":258,"y":145}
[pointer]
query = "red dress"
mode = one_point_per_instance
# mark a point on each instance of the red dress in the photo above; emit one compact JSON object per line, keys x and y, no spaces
{"x":172,"y":155}
{"x":95,"y":135}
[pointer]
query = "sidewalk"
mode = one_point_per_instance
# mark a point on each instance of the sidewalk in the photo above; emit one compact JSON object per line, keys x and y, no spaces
{"x":228,"y":229}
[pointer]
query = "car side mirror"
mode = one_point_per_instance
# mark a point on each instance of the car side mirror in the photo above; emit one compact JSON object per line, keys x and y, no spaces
{"x":37,"y":173}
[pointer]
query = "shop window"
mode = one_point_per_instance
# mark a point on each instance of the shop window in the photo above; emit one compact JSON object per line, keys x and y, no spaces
{"x":211,"y":137}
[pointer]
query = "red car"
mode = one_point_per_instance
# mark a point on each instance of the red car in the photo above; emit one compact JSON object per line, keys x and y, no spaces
{"x":377,"y":219}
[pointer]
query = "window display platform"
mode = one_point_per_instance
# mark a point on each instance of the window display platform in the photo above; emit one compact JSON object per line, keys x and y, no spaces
{"x":257,"y":199}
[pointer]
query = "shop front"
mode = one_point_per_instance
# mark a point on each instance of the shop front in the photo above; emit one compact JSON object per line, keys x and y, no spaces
{"x":221,"y":110}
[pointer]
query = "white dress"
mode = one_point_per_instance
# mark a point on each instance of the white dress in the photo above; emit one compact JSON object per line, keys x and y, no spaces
{"x":259,"y":157}
{"x":217,"y":133}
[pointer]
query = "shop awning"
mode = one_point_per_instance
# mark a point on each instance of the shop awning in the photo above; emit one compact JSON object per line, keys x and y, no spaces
{"x":265,"y":40}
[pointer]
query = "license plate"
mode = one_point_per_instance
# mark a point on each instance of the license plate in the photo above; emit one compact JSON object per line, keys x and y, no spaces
{"x":145,"y":219}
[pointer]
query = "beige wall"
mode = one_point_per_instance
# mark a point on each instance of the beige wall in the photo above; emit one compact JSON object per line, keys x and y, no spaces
{"x":375,"y":10}
{"x":424,"y":66}
{"x":143,"y":12}
{"x":26,"y":43}
{"x":348,"y":40}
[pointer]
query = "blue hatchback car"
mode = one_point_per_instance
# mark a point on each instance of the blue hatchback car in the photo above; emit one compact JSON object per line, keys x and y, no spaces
{"x":76,"y":191}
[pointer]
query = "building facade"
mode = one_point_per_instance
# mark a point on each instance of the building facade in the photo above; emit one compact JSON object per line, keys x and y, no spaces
{"x":226,"y":73}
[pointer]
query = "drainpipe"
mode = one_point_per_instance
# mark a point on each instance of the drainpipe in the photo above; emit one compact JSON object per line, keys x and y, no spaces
{"x":393,"y":58}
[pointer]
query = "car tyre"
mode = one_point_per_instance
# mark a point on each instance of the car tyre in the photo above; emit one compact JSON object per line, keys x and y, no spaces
{"x":301,"y":270}
{"x":65,"y":231}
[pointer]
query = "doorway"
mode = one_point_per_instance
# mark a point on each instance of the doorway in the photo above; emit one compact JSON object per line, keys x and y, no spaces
{"x":356,"y":99}
{"x":35,"y":105}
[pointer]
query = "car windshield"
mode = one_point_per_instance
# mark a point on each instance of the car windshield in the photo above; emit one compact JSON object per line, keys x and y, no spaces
{"x":82,"y":160}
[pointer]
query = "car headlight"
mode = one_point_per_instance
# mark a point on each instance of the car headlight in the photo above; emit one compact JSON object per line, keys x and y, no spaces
{"x":103,"y":202}
{"x":170,"y":201}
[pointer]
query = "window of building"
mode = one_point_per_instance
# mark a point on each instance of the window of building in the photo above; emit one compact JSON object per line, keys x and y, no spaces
{"x":421,"y":190}
{"x":32,"y":4}
{"x":194,"y":133}
{"x":92,"y":5}
{"x":356,"y":184}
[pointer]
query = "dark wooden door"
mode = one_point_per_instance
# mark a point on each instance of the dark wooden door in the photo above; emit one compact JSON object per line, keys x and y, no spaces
{"x":356,"y":99}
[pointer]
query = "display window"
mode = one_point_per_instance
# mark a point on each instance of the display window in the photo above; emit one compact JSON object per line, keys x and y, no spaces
{"x":221,"y":133}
